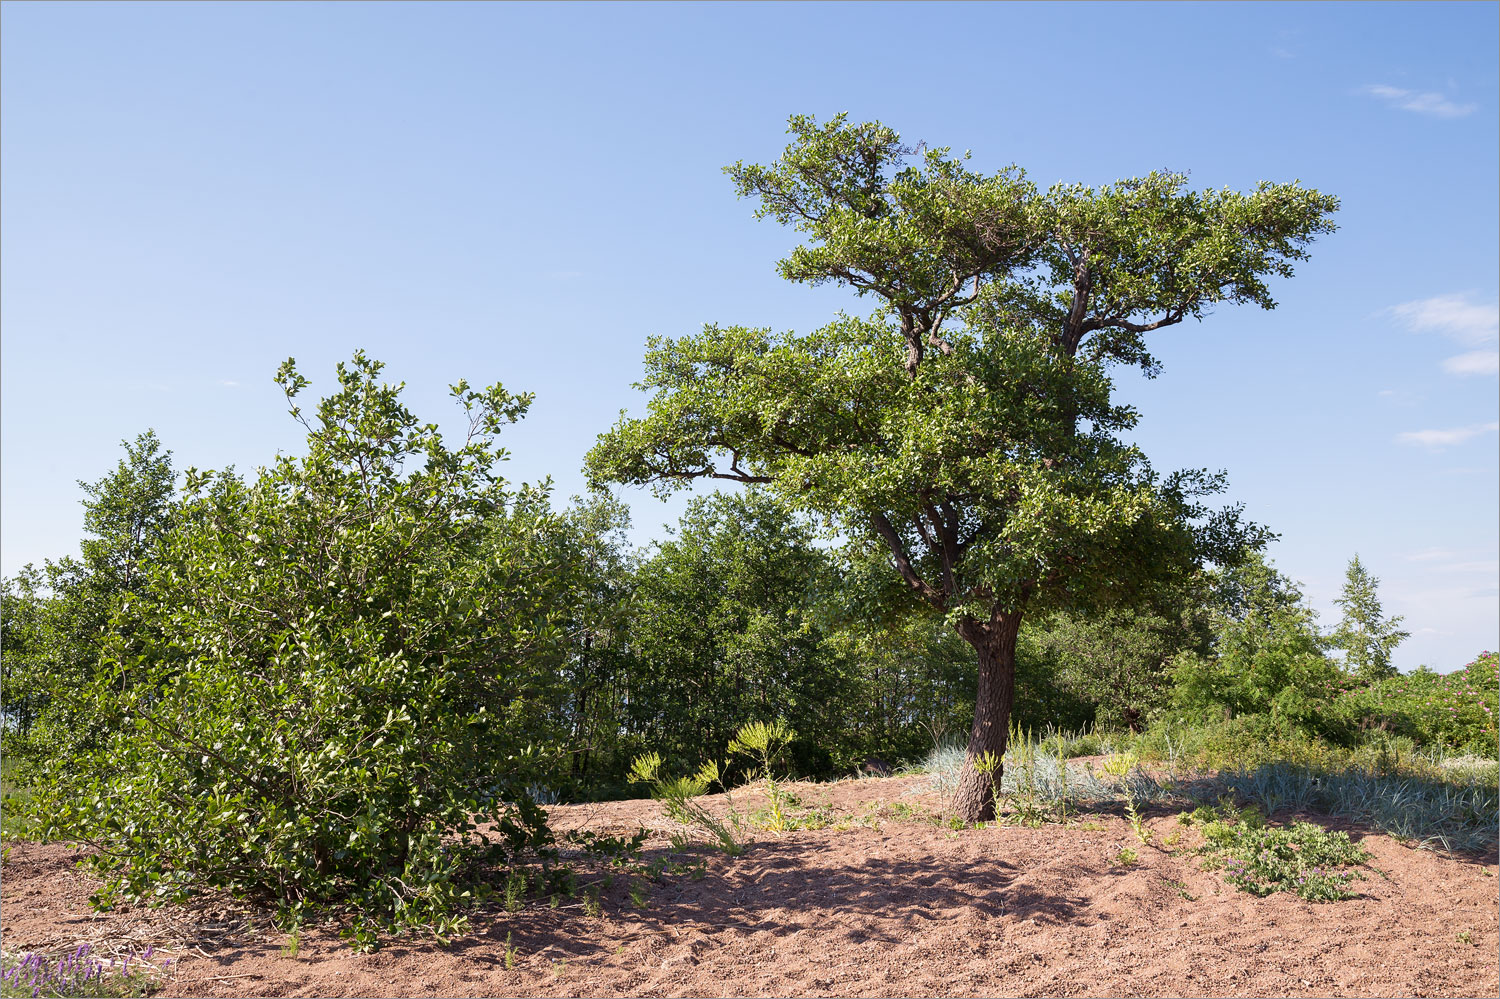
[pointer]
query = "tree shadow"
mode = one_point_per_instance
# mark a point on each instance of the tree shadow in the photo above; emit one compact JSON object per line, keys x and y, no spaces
{"x":783,"y":887}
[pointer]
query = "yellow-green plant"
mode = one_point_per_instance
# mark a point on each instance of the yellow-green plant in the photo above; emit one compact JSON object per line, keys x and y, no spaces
{"x":989,"y":764}
{"x":763,"y":743}
{"x":677,"y":793}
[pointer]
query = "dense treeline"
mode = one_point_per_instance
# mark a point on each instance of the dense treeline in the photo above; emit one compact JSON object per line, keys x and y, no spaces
{"x":743,"y":613}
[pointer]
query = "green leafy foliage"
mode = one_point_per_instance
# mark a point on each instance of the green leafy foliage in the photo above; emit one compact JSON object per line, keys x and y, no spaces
{"x":725,"y":625}
{"x":1301,"y":858}
{"x":1457,"y":710}
{"x":60,"y":619}
{"x":1116,"y":665}
{"x":325,"y":705}
{"x":1267,"y":657}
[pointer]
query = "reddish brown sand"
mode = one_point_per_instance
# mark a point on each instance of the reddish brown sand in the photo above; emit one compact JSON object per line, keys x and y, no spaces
{"x":902,"y":908}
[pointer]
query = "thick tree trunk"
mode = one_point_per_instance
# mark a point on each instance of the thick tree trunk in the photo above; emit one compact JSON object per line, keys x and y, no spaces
{"x":995,"y":642}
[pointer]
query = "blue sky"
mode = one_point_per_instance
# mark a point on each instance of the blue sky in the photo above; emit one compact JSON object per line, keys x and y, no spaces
{"x":192,"y":193}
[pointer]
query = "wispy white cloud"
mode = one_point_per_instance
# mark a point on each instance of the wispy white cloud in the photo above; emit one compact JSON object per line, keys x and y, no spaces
{"x":1489,"y":567}
{"x":1462,"y":320}
{"x":1422,"y":102}
{"x":1475,"y":362}
{"x":1456,"y":317}
{"x":228,"y":383}
{"x":1431,"y":554}
{"x":1437,"y":440}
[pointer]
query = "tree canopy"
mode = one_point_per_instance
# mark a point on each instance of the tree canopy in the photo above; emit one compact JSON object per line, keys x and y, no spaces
{"x":992,"y":471}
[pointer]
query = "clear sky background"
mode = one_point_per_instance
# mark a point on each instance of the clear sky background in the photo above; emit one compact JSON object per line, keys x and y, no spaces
{"x":192,"y":193}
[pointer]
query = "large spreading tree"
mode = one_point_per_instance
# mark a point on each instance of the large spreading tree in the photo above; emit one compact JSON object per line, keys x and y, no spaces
{"x":965,"y":431}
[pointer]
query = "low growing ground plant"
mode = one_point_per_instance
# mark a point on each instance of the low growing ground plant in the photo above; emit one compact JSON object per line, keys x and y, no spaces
{"x":676,"y":795}
{"x":763,"y":743}
{"x":1301,"y":858}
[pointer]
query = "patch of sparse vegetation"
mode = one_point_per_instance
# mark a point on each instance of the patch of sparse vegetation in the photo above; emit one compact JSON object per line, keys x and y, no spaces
{"x":1301,"y":858}
{"x":78,"y":974}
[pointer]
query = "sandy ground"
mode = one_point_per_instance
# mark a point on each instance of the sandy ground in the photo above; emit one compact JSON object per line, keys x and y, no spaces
{"x":892,"y":905}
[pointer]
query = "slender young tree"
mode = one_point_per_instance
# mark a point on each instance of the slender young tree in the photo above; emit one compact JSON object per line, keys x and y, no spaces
{"x":966,"y":429}
{"x":1365,"y":634}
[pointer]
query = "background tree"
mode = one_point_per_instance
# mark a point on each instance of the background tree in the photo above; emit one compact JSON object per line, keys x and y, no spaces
{"x":1119,"y":660}
{"x":726,"y":632}
{"x":1267,"y":657}
{"x":990,"y":470}
{"x":598,"y":663}
{"x":1367,"y":637}
{"x":59,"y":619}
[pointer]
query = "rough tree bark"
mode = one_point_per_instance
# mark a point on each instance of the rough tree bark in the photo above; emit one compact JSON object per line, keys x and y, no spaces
{"x":995,"y":642}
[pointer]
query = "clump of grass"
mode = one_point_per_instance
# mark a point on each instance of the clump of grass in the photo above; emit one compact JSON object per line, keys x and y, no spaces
{"x":1120,"y":766}
{"x":78,"y":974}
{"x":1457,"y":813}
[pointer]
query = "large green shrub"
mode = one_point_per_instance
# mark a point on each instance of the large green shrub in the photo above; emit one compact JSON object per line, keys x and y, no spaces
{"x":333,"y":704}
{"x":1456,"y":710}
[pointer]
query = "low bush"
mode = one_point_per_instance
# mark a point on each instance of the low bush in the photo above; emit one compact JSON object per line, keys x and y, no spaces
{"x":1301,"y":858}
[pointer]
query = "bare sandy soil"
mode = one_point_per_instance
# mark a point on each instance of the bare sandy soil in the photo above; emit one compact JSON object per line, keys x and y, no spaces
{"x":892,"y":905}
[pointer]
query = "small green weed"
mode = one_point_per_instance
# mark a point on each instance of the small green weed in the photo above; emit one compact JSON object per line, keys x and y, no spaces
{"x":1465,"y":937}
{"x":515,"y":890}
{"x":1127,"y":856}
{"x":510,"y":954}
{"x":676,"y":795}
{"x":1181,"y":890}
